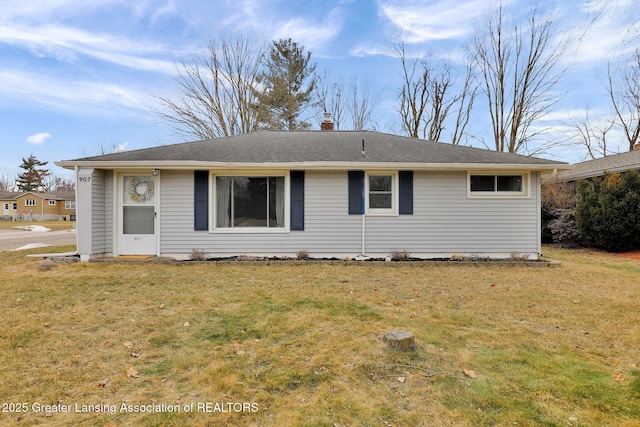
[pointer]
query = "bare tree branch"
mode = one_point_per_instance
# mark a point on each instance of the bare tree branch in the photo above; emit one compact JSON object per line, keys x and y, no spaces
{"x":626,"y":99}
{"x":518,"y":70}
{"x":427,"y":99}
{"x":361,"y":105}
{"x":592,"y":136}
{"x":218,"y":91}
{"x":351,"y":105}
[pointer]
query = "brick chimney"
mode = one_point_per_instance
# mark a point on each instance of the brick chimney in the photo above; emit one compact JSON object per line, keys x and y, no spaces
{"x":326,"y":124}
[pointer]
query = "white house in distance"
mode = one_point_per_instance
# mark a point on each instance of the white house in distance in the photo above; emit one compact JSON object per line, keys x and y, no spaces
{"x":331,"y":193}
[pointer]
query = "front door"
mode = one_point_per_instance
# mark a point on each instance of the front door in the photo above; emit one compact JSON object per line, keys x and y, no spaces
{"x":138,"y":214}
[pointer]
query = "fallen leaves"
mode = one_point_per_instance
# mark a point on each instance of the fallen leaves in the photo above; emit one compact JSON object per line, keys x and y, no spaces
{"x":132,"y":372}
{"x":237,"y":350}
{"x":470,"y":373}
{"x":618,"y":377}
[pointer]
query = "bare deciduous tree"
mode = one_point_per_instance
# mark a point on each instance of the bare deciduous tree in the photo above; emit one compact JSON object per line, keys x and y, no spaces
{"x":6,"y":184}
{"x":57,"y":183}
{"x":427,"y":98}
{"x":361,"y":105}
{"x":592,"y":135}
{"x":218,"y":91}
{"x":626,"y":99}
{"x":330,"y":94}
{"x":518,"y":69}
{"x":351,"y":105}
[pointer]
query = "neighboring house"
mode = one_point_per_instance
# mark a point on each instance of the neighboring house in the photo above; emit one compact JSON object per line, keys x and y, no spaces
{"x":37,"y":206}
{"x":592,"y":168}
{"x":331,"y":193}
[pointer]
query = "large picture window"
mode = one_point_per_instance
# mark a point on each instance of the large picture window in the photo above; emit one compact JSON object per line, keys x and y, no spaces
{"x":246,"y":201}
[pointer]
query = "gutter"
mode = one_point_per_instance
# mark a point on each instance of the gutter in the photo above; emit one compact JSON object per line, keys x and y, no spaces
{"x":319,"y":165}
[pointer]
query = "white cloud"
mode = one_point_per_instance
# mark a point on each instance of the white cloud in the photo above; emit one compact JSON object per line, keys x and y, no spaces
{"x":38,"y":10}
{"x":437,"y":20}
{"x":371,"y":49}
{"x":604,"y":31}
{"x":310,"y":34}
{"x":38,"y":138}
{"x":65,"y":44}
{"x":84,"y":97}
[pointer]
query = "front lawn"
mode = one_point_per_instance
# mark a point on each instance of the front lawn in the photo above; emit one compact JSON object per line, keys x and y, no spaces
{"x":301,"y":343}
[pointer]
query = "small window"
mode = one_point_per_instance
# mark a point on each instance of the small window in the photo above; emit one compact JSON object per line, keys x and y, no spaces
{"x":380,"y":193}
{"x":15,"y":205}
{"x":29,"y":202}
{"x":496,"y":184}
{"x":52,"y":202}
{"x":70,"y":204}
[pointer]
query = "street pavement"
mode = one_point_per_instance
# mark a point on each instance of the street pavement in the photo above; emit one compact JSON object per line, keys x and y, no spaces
{"x":14,"y":238}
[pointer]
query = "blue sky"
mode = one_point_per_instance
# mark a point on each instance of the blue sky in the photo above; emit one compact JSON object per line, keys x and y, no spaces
{"x":77,"y":75}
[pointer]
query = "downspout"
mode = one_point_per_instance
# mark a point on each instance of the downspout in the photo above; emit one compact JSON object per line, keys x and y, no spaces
{"x":75,"y":189}
{"x":363,"y":235}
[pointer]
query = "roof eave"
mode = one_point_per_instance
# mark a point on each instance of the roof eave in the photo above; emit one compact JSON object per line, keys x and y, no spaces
{"x":194,"y":165}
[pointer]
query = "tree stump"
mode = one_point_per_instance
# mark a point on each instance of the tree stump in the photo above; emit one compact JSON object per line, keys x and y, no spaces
{"x":400,"y":340}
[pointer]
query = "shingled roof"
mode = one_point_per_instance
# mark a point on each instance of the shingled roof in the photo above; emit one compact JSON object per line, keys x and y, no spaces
{"x":309,"y":147}
{"x":616,"y":163}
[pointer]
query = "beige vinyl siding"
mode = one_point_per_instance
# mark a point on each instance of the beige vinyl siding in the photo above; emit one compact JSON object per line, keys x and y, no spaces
{"x":445,"y":221}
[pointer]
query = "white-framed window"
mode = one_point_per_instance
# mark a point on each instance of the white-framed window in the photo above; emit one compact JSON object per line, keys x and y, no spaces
{"x":52,"y":202}
{"x":29,"y":202}
{"x":69,"y":204}
{"x":15,"y":206}
{"x":381,"y":190}
{"x":250,"y":203}
{"x":498,"y":184}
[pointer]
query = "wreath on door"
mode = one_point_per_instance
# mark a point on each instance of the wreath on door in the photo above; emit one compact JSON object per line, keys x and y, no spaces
{"x":140,"y":188}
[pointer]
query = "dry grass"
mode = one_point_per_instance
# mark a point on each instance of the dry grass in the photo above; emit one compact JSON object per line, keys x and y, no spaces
{"x":303,"y":342}
{"x":54,"y":225}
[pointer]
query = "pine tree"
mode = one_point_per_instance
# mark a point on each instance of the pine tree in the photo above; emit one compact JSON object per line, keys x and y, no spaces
{"x":287,"y":85}
{"x":33,"y":177}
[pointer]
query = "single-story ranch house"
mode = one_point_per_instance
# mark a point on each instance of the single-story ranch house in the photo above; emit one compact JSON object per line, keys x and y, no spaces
{"x":329,"y":193}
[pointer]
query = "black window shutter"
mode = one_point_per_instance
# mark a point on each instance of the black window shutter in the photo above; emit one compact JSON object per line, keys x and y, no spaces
{"x":201,"y":200}
{"x":405,"y":179}
{"x":356,"y":190}
{"x":297,"y":200}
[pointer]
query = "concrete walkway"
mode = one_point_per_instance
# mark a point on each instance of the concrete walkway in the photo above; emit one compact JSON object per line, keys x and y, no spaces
{"x":12,"y":238}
